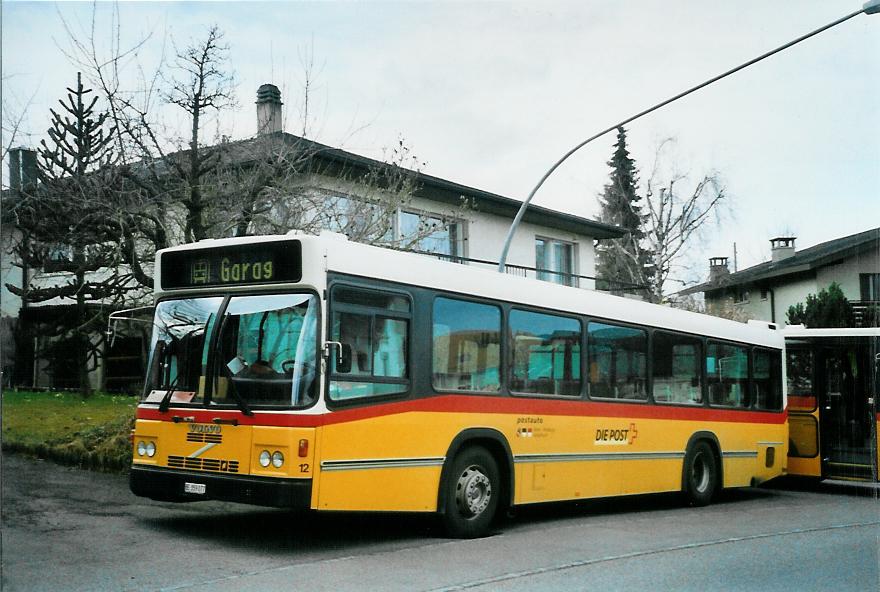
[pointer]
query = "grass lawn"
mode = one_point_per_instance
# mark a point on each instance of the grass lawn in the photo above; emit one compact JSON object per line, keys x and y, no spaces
{"x":65,"y":427}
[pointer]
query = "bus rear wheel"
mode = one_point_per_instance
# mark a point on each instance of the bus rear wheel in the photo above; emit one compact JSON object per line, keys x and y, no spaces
{"x":472,"y":494}
{"x":700,"y":474}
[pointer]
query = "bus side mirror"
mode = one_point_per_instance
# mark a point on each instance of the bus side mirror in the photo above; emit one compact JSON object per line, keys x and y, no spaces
{"x":343,"y":360}
{"x":343,"y":355}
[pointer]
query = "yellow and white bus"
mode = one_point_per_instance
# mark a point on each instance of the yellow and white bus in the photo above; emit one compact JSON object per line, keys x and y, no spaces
{"x":833,"y":384}
{"x":312,"y":372}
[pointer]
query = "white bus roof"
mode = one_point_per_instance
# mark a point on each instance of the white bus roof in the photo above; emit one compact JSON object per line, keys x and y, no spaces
{"x":350,"y":258}
{"x":800,"y":331}
{"x":428,"y":272}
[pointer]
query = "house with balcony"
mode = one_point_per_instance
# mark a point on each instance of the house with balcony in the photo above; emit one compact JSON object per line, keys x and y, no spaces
{"x":549,"y":245}
{"x":766,"y":291}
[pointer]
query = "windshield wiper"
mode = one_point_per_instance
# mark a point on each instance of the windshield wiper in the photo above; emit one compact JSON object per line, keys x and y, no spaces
{"x":166,"y":399}
{"x":239,"y":400}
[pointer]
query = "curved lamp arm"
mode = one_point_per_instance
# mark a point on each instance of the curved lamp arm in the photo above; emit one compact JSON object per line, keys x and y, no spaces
{"x":870,"y":7}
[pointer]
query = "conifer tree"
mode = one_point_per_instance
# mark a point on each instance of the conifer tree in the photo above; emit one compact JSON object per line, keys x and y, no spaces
{"x":68,"y":234}
{"x":623,"y":264}
{"x":829,"y":308}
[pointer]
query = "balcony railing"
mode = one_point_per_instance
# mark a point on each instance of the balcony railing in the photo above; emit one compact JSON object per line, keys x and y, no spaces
{"x":866,"y":313}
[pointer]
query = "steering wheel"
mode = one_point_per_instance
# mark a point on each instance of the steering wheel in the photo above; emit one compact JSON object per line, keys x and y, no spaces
{"x":288,"y":365}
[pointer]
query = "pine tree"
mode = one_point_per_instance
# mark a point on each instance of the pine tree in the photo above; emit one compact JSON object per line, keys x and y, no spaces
{"x":828,"y":308}
{"x":623,"y":264}
{"x":68,"y":233}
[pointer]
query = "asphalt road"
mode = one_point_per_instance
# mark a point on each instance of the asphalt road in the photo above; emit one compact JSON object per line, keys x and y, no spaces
{"x":66,"y":529}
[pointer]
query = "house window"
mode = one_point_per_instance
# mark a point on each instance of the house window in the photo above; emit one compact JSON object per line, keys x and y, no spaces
{"x":59,"y":256}
{"x":742,"y":296}
{"x":870,"y":286}
{"x":429,"y":234}
{"x":555,"y":261}
{"x":357,"y":219}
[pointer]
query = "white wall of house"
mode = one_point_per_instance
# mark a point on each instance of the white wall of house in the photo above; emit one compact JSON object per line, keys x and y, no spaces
{"x":787,"y":292}
{"x":755,"y":307}
{"x":846,"y":273}
{"x":758,"y":307}
{"x":10,"y":273}
{"x":488,"y":232}
{"x":790,"y":293}
{"x":484,"y":233}
{"x":10,"y":304}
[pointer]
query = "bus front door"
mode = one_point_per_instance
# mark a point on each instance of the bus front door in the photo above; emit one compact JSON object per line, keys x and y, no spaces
{"x":847,"y":414}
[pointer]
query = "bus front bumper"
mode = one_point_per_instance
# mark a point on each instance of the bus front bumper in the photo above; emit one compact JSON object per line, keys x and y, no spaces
{"x":174,"y":485}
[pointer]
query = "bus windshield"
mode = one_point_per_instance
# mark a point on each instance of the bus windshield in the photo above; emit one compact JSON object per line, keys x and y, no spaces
{"x":264,"y":352}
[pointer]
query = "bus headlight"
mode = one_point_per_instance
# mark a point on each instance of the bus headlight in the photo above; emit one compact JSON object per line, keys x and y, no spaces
{"x":265,"y":458}
{"x":277,"y":459}
{"x":151,"y":449}
{"x":141,"y":448}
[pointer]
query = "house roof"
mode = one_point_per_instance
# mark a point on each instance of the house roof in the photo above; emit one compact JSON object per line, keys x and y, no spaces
{"x":430,"y":187}
{"x":806,"y":260}
{"x":451,"y":193}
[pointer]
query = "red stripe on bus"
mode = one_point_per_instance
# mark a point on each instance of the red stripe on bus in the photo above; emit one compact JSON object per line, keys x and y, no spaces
{"x":475,"y":404}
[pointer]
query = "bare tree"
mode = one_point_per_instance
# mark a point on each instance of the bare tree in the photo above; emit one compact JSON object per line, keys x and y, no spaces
{"x":180,"y":189}
{"x":12,"y":116}
{"x":201,"y":83}
{"x":725,"y":308}
{"x":309,"y":77}
{"x":679,"y":210}
{"x":277,"y":183}
{"x":148,"y":186}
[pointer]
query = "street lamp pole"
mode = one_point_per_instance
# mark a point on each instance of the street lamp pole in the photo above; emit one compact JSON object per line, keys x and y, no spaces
{"x":870,"y":7}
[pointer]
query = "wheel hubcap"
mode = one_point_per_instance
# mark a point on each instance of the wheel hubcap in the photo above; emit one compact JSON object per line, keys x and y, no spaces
{"x":473,"y":491}
{"x":700,"y":474}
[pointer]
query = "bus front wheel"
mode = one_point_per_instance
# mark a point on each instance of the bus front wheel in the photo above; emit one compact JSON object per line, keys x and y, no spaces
{"x":700,"y":474}
{"x":472,"y":493}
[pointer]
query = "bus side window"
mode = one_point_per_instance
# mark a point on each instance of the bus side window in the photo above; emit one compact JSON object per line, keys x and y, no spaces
{"x":546,"y":353}
{"x":676,"y":368}
{"x":618,"y":362}
{"x":767,"y":379}
{"x":375,"y":325}
{"x":466,"y":346}
{"x":354,"y":330}
{"x":727,"y":372}
{"x":799,"y":372}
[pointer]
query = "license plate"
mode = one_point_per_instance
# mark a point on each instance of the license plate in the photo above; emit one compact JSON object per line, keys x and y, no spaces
{"x":198,"y":488}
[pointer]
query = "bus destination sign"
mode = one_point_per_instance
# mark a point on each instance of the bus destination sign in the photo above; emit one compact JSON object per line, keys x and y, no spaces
{"x":234,"y":265}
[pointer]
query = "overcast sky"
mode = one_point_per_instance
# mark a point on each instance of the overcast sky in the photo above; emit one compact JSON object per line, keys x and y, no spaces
{"x":491,"y":94}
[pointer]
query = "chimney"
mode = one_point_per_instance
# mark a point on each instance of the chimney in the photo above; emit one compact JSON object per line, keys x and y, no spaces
{"x":718,"y":268}
{"x":22,"y":168}
{"x":781,"y":247}
{"x":268,"y":109}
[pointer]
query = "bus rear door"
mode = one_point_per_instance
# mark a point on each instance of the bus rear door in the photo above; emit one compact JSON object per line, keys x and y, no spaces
{"x":847,"y":409}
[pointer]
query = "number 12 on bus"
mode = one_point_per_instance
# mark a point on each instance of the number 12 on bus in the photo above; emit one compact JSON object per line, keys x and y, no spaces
{"x":362,"y":379}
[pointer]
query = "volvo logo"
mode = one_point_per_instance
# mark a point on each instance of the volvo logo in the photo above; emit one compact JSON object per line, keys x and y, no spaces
{"x":201,"y":428}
